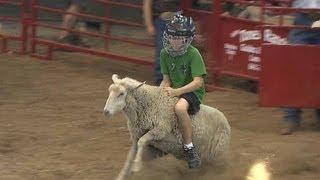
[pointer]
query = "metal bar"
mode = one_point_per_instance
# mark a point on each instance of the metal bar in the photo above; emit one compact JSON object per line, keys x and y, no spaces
{"x":7,"y":18}
{"x":216,"y":40}
{"x":106,"y":26}
{"x":120,"y":4}
{"x":24,"y":29}
{"x":95,"y":52}
{"x":196,"y":11}
{"x":34,"y":15}
{"x":239,"y":19}
{"x":89,"y":16}
{"x":113,"y":37}
{"x":286,"y":27}
{"x":290,"y":9}
{"x":40,"y":57}
{"x":10,"y":3}
{"x":3,"y":44}
{"x":12,"y":37}
{"x":239,"y":75}
{"x":241,"y":2}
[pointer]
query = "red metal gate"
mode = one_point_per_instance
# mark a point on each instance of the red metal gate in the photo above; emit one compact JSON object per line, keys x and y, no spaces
{"x":35,"y":40}
{"x":234,"y":47}
{"x":291,"y":78}
{"x":237,"y":42}
{"x":22,"y":20}
{"x":204,"y":27}
{"x":237,"y":51}
{"x":290,"y":73}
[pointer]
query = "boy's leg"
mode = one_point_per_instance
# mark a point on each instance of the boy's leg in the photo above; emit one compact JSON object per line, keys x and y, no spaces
{"x":185,"y":126}
{"x":181,"y":110}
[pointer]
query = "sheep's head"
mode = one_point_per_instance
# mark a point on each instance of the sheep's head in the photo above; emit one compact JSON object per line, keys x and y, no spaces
{"x":117,"y":94}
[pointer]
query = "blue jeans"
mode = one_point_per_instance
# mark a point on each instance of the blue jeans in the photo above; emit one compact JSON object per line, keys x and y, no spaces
{"x":301,"y":36}
{"x":304,"y":36}
{"x":160,"y":27}
{"x":293,"y":115}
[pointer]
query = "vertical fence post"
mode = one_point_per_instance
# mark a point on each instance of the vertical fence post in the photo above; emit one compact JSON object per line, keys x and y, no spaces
{"x":24,"y":29}
{"x":106,"y":25}
{"x":3,"y":44}
{"x":185,"y":4}
{"x":216,"y":42}
{"x":34,"y":15}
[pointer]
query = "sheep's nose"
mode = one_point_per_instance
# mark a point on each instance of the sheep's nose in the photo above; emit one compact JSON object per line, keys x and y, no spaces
{"x":106,"y":112}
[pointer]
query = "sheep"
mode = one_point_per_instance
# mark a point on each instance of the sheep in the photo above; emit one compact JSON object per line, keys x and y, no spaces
{"x":153,"y":125}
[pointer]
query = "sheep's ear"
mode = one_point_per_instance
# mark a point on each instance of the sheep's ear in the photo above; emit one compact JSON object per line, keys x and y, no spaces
{"x":115,"y":78}
{"x":130,"y":83}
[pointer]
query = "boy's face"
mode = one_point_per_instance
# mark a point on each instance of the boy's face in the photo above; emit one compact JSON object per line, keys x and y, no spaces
{"x":177,"y":42}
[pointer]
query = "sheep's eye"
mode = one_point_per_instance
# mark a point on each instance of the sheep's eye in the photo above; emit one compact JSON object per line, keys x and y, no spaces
{"x":121,"y":94}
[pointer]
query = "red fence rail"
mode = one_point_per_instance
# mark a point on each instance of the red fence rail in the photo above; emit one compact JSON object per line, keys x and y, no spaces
{"x":105,"y":36}
{"x":258,"y":50}
{"x":234,"y":46}
{"x":22,"y":20}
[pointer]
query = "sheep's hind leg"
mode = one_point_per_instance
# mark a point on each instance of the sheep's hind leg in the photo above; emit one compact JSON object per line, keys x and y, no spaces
{"x":150,"y":152}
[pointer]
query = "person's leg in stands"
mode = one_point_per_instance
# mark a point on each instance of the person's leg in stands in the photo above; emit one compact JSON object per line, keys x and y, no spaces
{"x":317,"y":111}
{"x":69,"y":20}
{"x":296,"y":36}
{"x":292,"y":117}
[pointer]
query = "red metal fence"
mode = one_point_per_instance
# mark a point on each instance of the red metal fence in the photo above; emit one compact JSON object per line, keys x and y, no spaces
{"x":238,"y":47}
{"x":22,"y":20}
{"x":237,"y":41}
{"x":259,"y":51}
{"x":204,"y":29}
{"x":290,"y":76}
{"x":290,"y":72}
{"x":35,"y":40}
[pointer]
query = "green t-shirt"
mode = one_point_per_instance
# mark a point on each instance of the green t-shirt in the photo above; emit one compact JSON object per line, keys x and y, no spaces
{"x":182,"y":69}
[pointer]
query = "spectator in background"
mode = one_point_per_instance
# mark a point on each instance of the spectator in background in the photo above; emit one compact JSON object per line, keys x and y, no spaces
{"x":302,"y":36}
{"x":69,"y":22}
{"x":253,"y":12}
{"x":205,"y":5}
{"x":156,"y":12}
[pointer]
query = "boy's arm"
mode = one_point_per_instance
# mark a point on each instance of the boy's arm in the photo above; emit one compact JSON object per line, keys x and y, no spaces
{"x":192,"y":86}
{"x":166,"y":81}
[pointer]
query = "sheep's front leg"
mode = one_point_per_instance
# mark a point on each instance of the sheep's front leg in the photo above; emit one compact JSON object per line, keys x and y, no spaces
{"x":128,"y":164}
{"x":154,"y":134}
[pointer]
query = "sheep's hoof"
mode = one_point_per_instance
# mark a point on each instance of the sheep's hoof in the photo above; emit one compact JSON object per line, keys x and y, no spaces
{"x":137,"y":166}
{"x":121,"y":177}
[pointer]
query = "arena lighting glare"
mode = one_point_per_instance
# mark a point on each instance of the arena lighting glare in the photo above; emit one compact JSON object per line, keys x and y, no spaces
{"x":259,"y":171}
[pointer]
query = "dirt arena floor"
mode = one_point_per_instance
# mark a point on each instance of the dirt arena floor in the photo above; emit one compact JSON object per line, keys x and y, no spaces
{"x":52,"y":127}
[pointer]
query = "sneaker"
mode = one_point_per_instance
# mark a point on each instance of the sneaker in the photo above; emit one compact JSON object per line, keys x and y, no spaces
{"x":192,"y":157}
{"x":292,"y":126}
{"x":73,"y":39}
